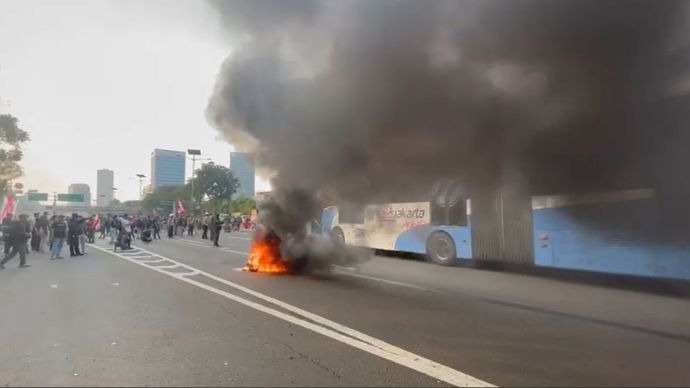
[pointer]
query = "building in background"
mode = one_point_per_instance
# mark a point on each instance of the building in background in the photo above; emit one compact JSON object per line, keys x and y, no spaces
{"x":167,"y":168}
{"x":81,"y":188}
{"x":242,"y":164}
{"x":148,"y":189}
{"x":105,"y":192}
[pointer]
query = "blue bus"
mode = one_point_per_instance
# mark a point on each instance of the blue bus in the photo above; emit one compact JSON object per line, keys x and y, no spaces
{"x":565,"y":231}
{"x":439,"y":227}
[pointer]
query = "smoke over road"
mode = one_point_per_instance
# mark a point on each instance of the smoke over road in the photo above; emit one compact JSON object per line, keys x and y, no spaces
{"x":367,"y":99}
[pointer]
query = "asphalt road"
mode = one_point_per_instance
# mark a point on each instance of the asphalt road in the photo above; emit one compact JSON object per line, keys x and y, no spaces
{"x":178,"y":312}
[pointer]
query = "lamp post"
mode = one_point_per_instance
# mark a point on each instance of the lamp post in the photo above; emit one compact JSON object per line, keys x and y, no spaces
{"x":141,"y":179}
{"x":194,"y":154}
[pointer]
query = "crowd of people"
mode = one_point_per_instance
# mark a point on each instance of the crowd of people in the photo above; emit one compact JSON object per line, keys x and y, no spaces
{"x":45,"y":233}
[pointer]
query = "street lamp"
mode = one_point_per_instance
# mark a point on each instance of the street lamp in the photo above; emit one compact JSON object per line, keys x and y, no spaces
{"x":141,"y":179}
{"x":194,"y":154}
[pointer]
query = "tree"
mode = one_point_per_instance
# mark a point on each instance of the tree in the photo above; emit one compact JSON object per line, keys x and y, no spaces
{"x":11,"y":139}
{"x":164,"y":197}
{"x":242,"y":205}
{"x":218,"y":183}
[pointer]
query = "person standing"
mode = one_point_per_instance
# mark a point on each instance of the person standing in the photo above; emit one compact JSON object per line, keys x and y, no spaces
{"x":217,"y":227}
{"x":58,"y":231}
{"x":156,"y":225}
{"x":204,"y":227}
{"x":81,"y":227}
{"x":19,"y":233}
{"x":105,"y":228}
{"x":43,"y":226}
{"x":73,"y":236}
{"x":190,"y":227}
{"x":91,"y":226}
{"x":171,"y":226}
{"x":6,"y":226}
{"x":35,"y":238}
{"x":114,"y":228}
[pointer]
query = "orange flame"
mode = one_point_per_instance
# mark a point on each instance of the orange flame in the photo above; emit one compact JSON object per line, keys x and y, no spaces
{"x":264,"y":255}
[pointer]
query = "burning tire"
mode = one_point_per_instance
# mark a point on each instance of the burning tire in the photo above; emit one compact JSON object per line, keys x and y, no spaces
{"x":440,"y":248}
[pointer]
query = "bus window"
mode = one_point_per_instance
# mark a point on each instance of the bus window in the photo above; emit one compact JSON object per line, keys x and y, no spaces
{"x":448,"y":204}
{"x":350,"y":214}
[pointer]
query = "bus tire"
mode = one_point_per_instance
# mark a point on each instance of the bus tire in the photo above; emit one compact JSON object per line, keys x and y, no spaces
{"x":337,"y":235}
{"x":440,"y":248}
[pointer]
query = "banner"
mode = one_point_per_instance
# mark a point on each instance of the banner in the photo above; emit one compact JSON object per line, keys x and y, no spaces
{"x":179,"y":209}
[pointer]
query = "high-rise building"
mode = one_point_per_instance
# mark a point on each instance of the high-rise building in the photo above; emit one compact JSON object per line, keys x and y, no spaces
{"x":242,"y":164}
{"x":167,"y":168}
{"x":105,"y":181}
{"x":81,"y":188}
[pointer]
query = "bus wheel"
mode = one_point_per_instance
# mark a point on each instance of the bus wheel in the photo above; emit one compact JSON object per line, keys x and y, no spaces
{"x":440,"y":248}
{"x":337,"y":235}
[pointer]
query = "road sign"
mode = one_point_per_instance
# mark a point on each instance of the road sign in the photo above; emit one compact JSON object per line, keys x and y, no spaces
{"x":70,"y":197}
{"x":38,"y":196}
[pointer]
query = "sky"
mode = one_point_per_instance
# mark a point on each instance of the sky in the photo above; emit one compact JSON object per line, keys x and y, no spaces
{"x":101,"y":83}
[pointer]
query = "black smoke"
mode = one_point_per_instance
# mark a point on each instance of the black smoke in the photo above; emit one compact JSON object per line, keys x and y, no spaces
{"x":369,"y":99}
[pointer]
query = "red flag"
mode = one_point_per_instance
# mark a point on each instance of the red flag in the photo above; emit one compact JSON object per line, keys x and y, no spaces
{"x":97,"y":222}
{"x":9,"y":207}
{"x":179,"y":209}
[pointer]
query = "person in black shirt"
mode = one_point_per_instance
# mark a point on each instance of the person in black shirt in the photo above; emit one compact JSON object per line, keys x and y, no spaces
{"x":156,"y":224}
{"x":73,"y":231}
{"x":19,"y":233}
{"x":217,"y":225}
{"x":59,"y":233}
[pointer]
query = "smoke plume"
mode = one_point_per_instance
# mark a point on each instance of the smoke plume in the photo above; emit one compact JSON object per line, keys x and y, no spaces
{"x":368,"y":100}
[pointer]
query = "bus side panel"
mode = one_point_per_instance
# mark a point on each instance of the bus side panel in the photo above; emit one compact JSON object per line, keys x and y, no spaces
{"x":569,"y":237}
{"x":329,"y":219}
{"x":414,"y":240}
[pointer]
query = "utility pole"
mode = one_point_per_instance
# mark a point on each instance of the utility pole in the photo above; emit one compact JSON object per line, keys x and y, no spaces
{"x":194,"y":154}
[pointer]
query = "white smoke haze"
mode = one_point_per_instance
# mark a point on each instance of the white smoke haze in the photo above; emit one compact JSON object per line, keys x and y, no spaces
{"x":371,"y":100}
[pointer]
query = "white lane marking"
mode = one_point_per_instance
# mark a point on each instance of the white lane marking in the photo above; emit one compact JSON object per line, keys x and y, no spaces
{"x":202,"y":245}
{"x":151,"y":261}
{"x":327,"y":328}
{"x":239,"y":238}
{"x":166,"y":266}
{"x":235,"y":252}
{"x":352,"y":269}
{"x":382,"y":280}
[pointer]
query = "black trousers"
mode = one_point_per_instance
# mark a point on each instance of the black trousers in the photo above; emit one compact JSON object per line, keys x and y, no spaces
{"x":190,"y":230}
{"x":171,"y":231}
{"x":204,"y":235}
{"x":16,"y":248}
{"x":157,"y":233}
{"x":74,"y":245}
{"x":215,"y":236}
